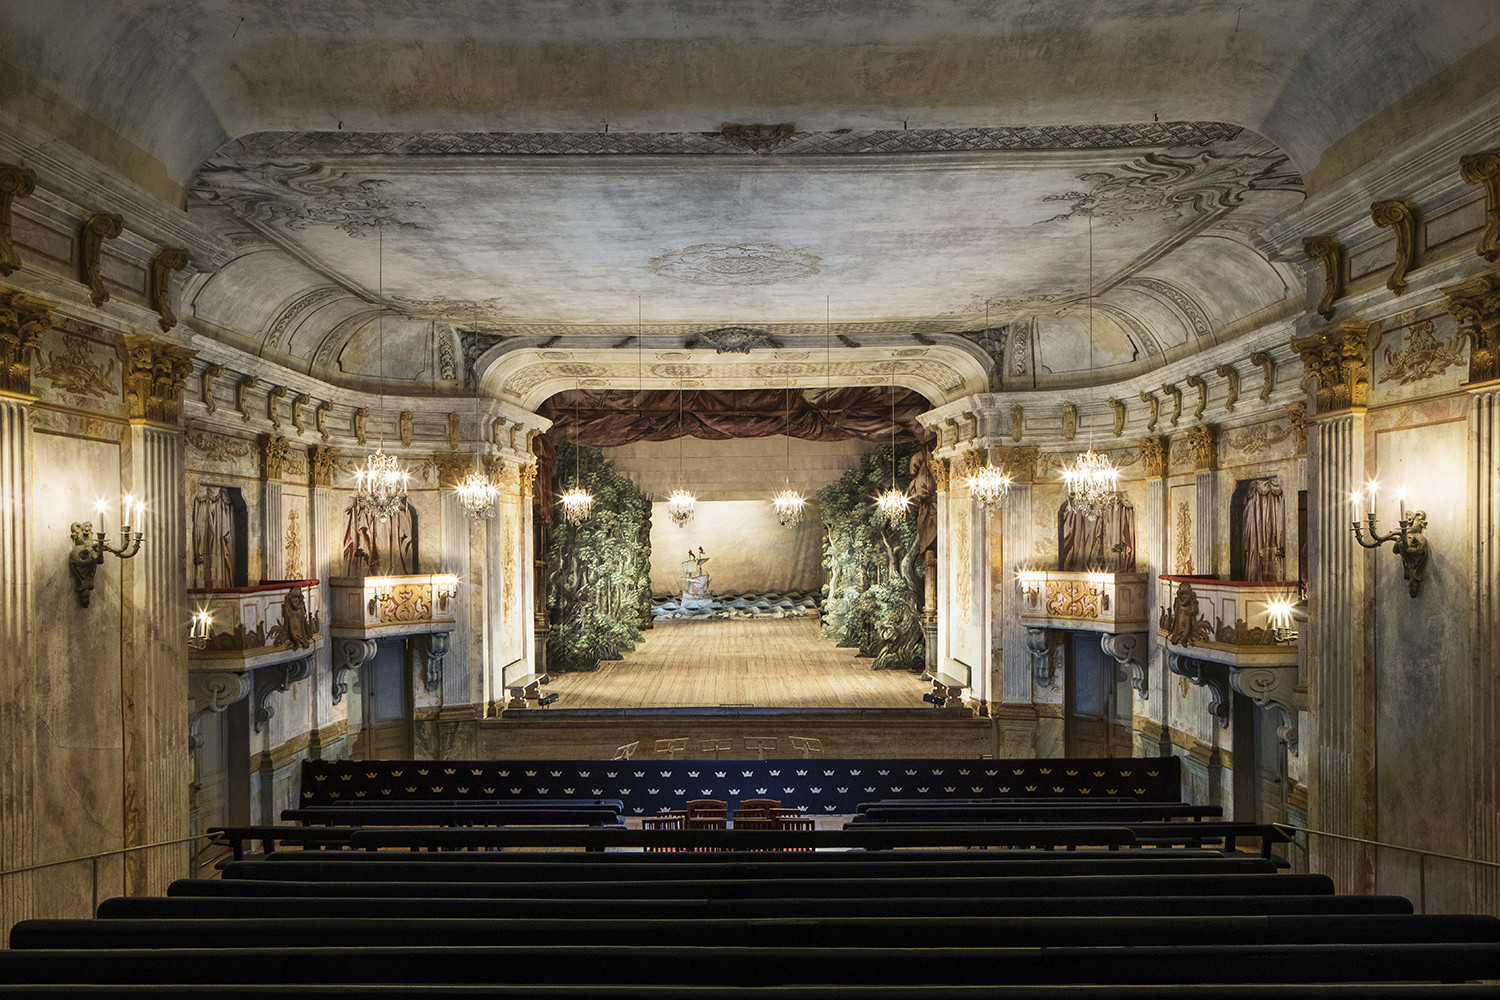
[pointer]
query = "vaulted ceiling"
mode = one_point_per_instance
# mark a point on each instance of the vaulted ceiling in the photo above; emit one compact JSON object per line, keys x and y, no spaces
{"x":459,"y":194}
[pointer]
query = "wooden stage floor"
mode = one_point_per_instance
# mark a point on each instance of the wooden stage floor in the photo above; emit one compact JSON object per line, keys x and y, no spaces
{"x":740,"y":663}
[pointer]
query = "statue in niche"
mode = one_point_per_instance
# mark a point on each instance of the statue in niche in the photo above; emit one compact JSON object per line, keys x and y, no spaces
{"x":697,"y":594}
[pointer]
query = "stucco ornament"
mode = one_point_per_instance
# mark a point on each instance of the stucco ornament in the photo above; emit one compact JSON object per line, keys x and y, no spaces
{"x":736,"y":264}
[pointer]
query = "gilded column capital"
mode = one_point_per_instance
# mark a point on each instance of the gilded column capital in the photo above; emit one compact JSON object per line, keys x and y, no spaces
{"x":97,"y":228}
{"x":1339,"y":359}
{"x":1484,"y":168}
{"x":154,"y":375}
{"x":1476,"y":305}
{"x":273,"y":451}
{"x":1020,"y":463}
{"x":1327,"y":248}
{"x":1204,"y":440}
{"x":167,"y":260}
{"x":494,"y":469}
{"x":939,"y":468}
{"x":452,"y":467}
{"x":1396,"y":215}
{"x":321,"y":462}
{"x":23,"y":320}
{"x":15,"y":182}
{"x":527,"y":473}
{"x":1154,"y":452}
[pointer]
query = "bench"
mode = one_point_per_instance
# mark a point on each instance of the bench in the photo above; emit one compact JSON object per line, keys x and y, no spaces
{"x":526,"y":687}
{"x":1139,"y":812}
{"x":468,"y":815}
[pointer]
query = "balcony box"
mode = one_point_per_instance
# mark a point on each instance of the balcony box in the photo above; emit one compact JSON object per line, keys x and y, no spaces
{"x":275,"y":621}
{"x":1086,"y":602}
{"x":372,"y":607}
{"x":1224,"y":621}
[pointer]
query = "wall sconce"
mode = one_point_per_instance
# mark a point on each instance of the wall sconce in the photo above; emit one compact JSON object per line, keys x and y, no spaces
{"x":89,"y":547}
{"x":444,"y":588}
{"x":1099,"y":587}
{"x":198,"y":631}
{"x":1031,"y":582}
{"x":1279,"y":615}
{"x":1410,"y":542}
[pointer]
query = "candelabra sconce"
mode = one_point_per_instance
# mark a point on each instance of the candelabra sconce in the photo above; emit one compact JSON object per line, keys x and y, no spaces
{"x":199,"y":630}
{"x":1279,"y":616}
{"x":1098,"y":584}
{"x":1409,"y":540}
{"x":444,"y":589}
{"x":1030,"y":583}
{"x":89,"y":547}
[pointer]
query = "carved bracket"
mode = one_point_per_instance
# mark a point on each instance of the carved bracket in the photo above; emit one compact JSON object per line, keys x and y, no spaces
{"x":434,"y":647}
{"x":1267,"y":366}
{"x":1040,"y":642}
{"x":241,"y":396}
{"x":1196,"y":382}
{"x":1153,"y":407}
{"x":274,"y":679}
{"x":15,"y":182}
{"x":1397,"y":215}
{"x":1128,"y":650}
{"x":1176,"y":394}
{"x":320,"y":417}
{"x":272,"y":395}
{"x":1335,"y":258}
{"x":298,"y":402}
{"x":1228,"y":373}
{"x":1273,"y":687}
{"x":1070,"y":421}
{"x":1484,"y":168}
{"x":97,"y":228}
{"x":206,"y":385}
{"x":1118,"y":406}
{"x":1205,"y":674}
{"x":167,"y":260}
{"x":349,"y":654}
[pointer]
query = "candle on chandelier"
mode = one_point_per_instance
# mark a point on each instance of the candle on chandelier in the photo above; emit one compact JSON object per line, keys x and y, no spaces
{"x":99,"y":506}
{"x":1372,"y":487}
{"x":1401,"y":499}
{"x":125,"y":510}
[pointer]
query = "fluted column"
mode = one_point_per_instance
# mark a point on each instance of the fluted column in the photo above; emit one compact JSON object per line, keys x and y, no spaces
{"x":1484,"y":701}
{"x":533,"y":597}
{"x":1153,"y":707}
{"x":273,"y":455}
{"x":1204,"y":441}
{"x":18,"y":745}
{"x":321,"y":462}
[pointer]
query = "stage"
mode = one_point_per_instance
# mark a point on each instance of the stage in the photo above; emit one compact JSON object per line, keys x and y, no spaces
{"x":726,"y":682}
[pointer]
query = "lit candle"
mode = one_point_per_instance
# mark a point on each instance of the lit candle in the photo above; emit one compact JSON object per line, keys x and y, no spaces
{"x":1372,"y":485}
{"x":1354,"y":499}
{"x":1401,"y":499}
{"x":125,"y":510}
{"x":140,"y":515}
{"x":99,"y":506}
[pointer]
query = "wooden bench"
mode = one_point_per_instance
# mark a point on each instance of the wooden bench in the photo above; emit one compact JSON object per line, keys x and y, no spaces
{"x":468,"y":815}
{"x":1139,"y":812}
{"x":526,"y":688}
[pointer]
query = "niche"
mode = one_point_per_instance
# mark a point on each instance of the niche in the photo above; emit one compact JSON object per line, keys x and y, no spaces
{"x":1104,"y":545}
{"x":220,"y":536}
{"x":1257,"y":524}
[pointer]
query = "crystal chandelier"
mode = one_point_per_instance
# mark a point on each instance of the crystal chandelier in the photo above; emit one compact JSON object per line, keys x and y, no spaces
{"x":893,"y":502}
{"x":788,"y":504}
{"x":681,"y":504}
{"x":380,"y":487}
{"x":577,"y":505}
{"x":1092,"y":484}
{"x":477,"y":495}
{"x":988,"y":486}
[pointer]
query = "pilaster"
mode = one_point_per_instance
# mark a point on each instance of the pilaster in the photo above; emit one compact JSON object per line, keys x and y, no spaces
{"x":18,"y":715}
{"x":273,"y":455}
{"x":1484,"y":701}
{"x":459,"y":675}
{"x":1015,"y":684}
{"x":1154,"y":453}
{"x":1204,"y":441}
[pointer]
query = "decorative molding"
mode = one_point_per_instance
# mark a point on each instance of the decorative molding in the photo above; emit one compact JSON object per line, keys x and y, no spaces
{"x":1335,"y":257}
{"x":206,"y":386}
{"x":1017,"y":422}
{"x":1337,"y":358}
{"x":241,"y":394}
{"x":1196,"y":382}
{"x":452,"y":467}
{"x":1397,"y":216}
{"x":1484,"y":168}
{"x":97,"y":228}
{"x":757,"y":137}
{"x":1230,"y":375}
{"x":1020,"y":463}
{"x":154,"y":375}
{"x":320,"y":417}
{"x":1296,"y":415}
{"x":321,"y":463}
{"x":357,"y":423}
{"x":991,"y":340}
{"x":733,"y":340}
{"x":1421,"y":355}
{"x":298,"y":401}
{"x":1204,"y":440}
{"x":1476,"y":305}
{"x":166,"y":260}
{"x":23,"y":320}
{"x":15,"y":182}
{"x":283,"y":322}
{"x":274,"y":679}
{"x":1128,"y":649}
{"x":455,"y":431}
{"x":1153,"y":410}
{"x":1176,"y":394}
{"x":1267,"y":366}
{"x":433,"y":646}
{"x":1070,"y":421}
{"x":1154,"y":453}
{"x":297,"y":195}
{"x":272,"y":395}
{"x":349,"y":654}
{"x":273,"y":451}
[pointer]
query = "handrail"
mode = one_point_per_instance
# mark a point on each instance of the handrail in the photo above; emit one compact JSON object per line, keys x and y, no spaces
{"x":106,"y":854}
{"x":1422,"y":855}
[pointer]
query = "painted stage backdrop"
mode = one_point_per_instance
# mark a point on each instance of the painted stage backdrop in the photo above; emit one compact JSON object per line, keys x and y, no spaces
{"x":873,"y":597}
{"x":598,"y":571}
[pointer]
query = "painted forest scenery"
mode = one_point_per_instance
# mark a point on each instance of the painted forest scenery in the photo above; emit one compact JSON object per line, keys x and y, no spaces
{"x":875,"y":574}
{"x":599,"y":570}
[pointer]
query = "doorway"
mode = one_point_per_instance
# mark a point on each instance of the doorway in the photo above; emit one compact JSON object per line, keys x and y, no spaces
{"x":1090,"y":696}
{"x":383,"y":703}
{"x":1260,"y":772}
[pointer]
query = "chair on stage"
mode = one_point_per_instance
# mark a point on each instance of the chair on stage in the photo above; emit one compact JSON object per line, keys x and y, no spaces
{"x":757,"y":814}
{"x":705,"y":814}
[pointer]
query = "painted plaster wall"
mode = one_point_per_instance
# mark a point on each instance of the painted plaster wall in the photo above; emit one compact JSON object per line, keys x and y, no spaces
{"x":749,"y":551}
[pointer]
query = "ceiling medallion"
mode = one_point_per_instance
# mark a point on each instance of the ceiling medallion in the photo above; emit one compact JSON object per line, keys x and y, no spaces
{"x":736,"y":264}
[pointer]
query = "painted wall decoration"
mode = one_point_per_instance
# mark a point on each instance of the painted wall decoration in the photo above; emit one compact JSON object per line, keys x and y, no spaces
{"x":873,"y":598}
{"x":598,"y":571}
{"x":1182,"y":530}
{"x":373,"y":547}
{"x":213,"y":538}
{"x":1421,"y":355}
{"x":294,"y":545}
{"x":1105,"y":544}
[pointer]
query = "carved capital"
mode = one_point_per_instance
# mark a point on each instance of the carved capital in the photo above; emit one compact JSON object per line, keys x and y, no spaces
{"x":1117,"y":406}
{"x":939,"y":468}
{"x":154,"y":375}
{"x":23,"y":320}
{"x":1128,"y":649}
{"x":1020,"y":463}
{"x":298,"y":402}
{"x":1267,"y":366}
{"x":1476,"y":306}
{"x":1154,"y":452}
{"x":97,"y":228}
{"x":242,"y":396}
{"x":1196,"y":382}
{"x":1204,"y":440}
{"x":1232,"y":393}
{"x":1296,"y":415}
{"x":1070,"y":421}
{"x":1153,"y":410}
{"x":166,"y":260}
{"x":403,"y":428}
{"x":273,"y":449}
{"x":1017,"y":422}
{"x":452,"y":467}
{"x":1335,"y":258}
{"x":1176,"y":397}
{"x":1338,"y":359}
{"x":320,"y":417}
{"x":1484,"y":168}
{"x":1397,"y":216}
{"x":527,"y":473}
{"x":15,"y":182}
{"x":321,"y":461}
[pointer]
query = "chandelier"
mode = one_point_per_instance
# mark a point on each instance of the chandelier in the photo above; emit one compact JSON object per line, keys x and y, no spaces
{"x":788,"y":505}
{"x":1092,"y":484}
{"x":893,"y":502}
{"x":577,"y":504}
{"x":988,"y":486}
{"x":380,"y":487}
{"x":477,"y":495}
{"x":680,"y":506}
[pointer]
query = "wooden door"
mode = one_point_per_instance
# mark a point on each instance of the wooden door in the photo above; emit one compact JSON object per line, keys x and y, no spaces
{"x":386,"y":703}
{"x":1089,"y":698}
